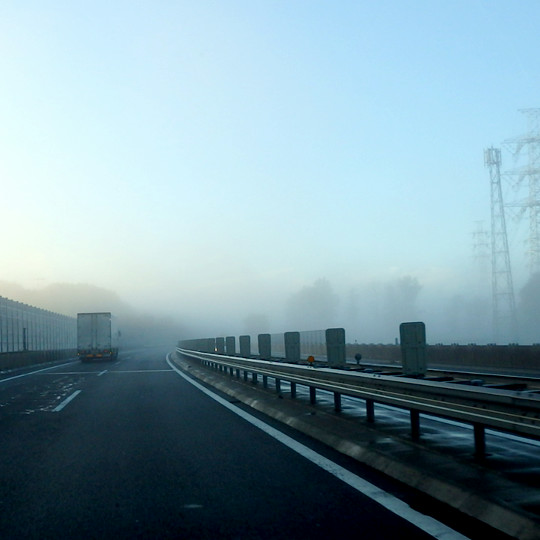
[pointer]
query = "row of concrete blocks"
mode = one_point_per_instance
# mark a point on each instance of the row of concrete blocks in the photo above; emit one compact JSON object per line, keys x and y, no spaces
{"x":412,"y":338}
{"x":335,"y":346}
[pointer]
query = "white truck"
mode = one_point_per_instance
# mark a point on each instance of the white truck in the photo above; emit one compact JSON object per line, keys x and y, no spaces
{"x":96,"y":337}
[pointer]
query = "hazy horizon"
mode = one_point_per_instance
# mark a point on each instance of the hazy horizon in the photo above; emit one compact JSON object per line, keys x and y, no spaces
{"x":369,"y":315}
{"x":234,"y":164}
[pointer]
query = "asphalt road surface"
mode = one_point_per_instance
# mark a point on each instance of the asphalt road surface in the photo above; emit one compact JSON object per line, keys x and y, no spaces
{"x":131,"y":449}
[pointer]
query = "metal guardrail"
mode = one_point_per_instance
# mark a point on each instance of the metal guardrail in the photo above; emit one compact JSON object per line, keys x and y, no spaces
{"x":510,"y":411}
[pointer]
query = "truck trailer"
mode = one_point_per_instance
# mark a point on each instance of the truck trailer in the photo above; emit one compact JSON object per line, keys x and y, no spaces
{"x":96,"y":337}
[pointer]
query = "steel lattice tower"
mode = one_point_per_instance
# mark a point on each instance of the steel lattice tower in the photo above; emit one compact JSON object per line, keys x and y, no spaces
{"x":481,"y":243}
{"x":529,"y":144}
{"x":504,"y":308}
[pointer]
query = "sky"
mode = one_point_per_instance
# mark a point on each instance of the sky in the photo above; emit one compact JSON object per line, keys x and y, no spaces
{"x":210,"y":159}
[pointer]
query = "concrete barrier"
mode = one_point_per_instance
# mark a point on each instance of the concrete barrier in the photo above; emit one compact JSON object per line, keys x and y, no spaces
{"x":22,"y":359}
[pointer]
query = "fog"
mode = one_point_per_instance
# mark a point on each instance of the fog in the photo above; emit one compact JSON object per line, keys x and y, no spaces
{"x":370,"y":312}
{"x":206,"y":169}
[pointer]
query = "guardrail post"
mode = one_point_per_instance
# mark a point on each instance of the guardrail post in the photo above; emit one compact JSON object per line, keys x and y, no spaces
{"x":335,"y":347}
{"x":254,"y":377}
{"x":293,"y":390}
{"x":337,"y":401}
{"x":312,"y":395}
{"x":370,"y":410}
{"x":292,"y":347}
{"x":265,"y":346}
{"x":479,"y":441}
{"x":245,"y":346}
{"x":230,"y":345}
{"x":246,"y":373}
{"x":278,"y":385}
{"x":415,"y":424}
{"x":265,"y":381}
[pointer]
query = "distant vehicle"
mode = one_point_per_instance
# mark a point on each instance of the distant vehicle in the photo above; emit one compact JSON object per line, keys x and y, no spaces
{"x":96,"y":338}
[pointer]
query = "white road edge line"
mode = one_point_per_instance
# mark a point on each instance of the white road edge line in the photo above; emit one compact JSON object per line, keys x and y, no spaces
{"x":38,"y":371}
{"x":393,"y":504}
{"x":66,"y":401}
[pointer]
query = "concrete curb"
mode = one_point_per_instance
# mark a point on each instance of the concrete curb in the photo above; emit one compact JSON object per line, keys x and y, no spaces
{"x":415,"y":466}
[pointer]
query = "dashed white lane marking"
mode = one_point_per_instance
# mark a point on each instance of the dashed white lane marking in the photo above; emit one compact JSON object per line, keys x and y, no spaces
{"x":69,"y":373}
{"x":142,"y":371}
{"x":102,"y":372}
{"x":393,"y":504}
{"x":66,"y":401}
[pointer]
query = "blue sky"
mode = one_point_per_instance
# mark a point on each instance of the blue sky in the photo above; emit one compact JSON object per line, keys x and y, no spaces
{"x":231,"y":153}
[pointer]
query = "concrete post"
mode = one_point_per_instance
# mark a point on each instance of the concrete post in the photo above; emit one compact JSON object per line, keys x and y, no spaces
{"x":245,"y":346}
{"x":210,"y":345}
{"x":265,"y":346}
{"x":335,"y":347}
{"x":292,"y":347}
{"x":413,"y":347}
{"x":230,"y":345}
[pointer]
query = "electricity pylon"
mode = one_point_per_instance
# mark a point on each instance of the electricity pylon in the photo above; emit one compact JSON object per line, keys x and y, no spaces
{"x":504,"y":308}
{"x":529,"y":173}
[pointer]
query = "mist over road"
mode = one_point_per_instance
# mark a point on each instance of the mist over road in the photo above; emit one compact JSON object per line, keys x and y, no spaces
{"x":131,"y":450}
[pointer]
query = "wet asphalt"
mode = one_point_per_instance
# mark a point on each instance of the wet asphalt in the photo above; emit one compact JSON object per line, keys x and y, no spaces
{"x":138,"y":452}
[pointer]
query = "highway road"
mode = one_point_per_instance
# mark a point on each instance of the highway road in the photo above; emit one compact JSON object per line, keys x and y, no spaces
{"x":132,"y":449}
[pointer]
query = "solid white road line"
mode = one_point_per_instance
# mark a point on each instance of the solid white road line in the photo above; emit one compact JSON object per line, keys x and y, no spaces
{"x":388,"y":501}
{"x":66,"y":401}
{"x":37,"y":371}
